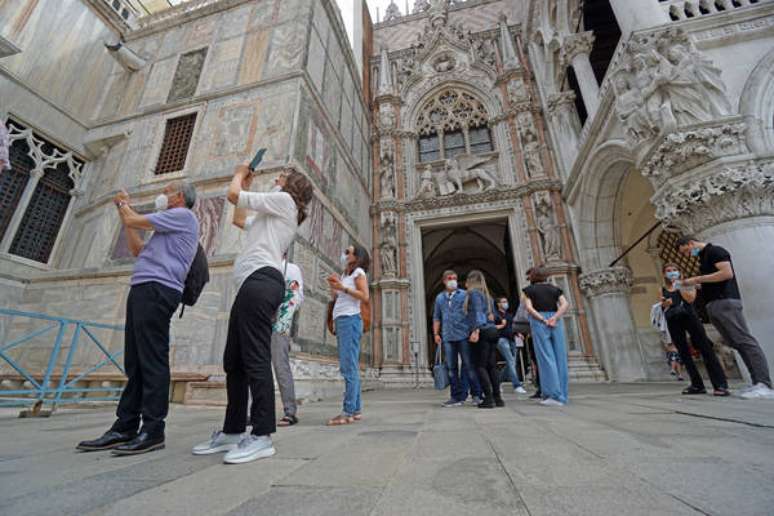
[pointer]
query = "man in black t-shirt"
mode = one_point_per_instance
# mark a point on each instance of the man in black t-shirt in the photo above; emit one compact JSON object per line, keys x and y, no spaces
{"x":724,"y":307}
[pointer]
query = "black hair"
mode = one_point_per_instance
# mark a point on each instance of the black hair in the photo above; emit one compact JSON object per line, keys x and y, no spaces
{"x":684,"y":240}
{"x":363,"y":259}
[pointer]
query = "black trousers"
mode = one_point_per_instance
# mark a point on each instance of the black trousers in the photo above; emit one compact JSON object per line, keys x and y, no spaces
{"x":690,"y":323}
{"x":247,"y":357}
{"x":149,"y":309}
{"x":484,"y":356}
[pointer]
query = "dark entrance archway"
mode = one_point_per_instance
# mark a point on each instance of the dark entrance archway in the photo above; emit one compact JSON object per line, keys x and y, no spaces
{"x":485,"y":246}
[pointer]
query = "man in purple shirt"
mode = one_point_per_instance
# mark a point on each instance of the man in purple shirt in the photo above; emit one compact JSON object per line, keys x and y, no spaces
{"x":157,"y":287}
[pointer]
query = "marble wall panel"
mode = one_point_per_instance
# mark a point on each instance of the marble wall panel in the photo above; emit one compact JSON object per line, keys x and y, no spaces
{"x":294,"y":10}
{"x":201,"y":32}
{"x":234,"y":22}
{"x":223,"y":65}
{"x":311,"y":321}
{"x":187,"y":75}
{"x":262,"y":15}
{"x":159,"y":82}
{"x":316,"y":62}
{"x":286,"y":50}
{"x":256,"y":46}
{"x":322,"y":23}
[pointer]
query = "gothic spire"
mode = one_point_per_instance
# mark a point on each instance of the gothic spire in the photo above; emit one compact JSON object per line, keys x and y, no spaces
{"x":510,"y":58}
{"x":385,"y":74}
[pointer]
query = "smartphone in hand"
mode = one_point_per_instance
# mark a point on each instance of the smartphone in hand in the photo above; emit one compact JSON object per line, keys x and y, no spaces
{"x":257,"y":159}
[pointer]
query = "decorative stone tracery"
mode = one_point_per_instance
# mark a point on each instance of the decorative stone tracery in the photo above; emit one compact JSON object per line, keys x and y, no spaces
{"x":606,"y":281}
{"x":449,"y":110}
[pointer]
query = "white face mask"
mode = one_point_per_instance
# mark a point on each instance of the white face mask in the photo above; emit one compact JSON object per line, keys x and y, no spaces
{"x":504,"y":306}
{"x":161,"y":202}
{"x":344,"y":259}
{"x":276,"y":188}
{"x":451,"y":284}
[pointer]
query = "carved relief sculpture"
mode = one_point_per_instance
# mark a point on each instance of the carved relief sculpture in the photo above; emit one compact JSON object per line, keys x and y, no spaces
{"x":606,"y":281}
{"x":426,"y":185}
{"x":420,"y":6}
{"x":462,"y":169}
{"x":387,"y":174}
{"x":531,"y":145}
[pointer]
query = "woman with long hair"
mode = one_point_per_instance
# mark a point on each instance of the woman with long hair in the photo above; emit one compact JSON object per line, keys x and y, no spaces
{"x":350,"y":290}
{"x":546,"y":305}
{"x":677,"y":303}
{"x":260,"y":288}
{"x":478,"y":306}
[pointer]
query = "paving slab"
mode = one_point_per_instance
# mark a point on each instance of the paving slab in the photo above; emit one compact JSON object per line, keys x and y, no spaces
{"x":615,"y":449}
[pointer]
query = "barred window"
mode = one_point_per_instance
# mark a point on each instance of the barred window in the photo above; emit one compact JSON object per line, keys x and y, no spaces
{"x":689,"y":265}
{"x":14,"y":181}
{"x":480,"y":140}
{"x":45,"y":213}
{"x":429,"y":148}
{"x":177,"y":140}
{"x":453,"y":144}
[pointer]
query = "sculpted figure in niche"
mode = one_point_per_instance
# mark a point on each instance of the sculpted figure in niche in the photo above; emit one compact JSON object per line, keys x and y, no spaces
{"x":459,"y":174}
{"x":388,"y":248}
{"x":549,"y":230}
{"x":444,"y":63}
{"x":532,"y":154}
{"x":702,"y":75}
{"x":426,"y":185}
{"x":387,"y":172}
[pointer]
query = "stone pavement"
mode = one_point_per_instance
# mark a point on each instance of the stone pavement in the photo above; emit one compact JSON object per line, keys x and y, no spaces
{"x":616,"y":449}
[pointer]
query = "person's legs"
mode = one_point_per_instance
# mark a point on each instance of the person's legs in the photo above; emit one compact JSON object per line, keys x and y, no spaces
{"x":264,"y":290}
{"x":677,"y":332}
{"x":455,"y":389}
{"x":727,"y":316}
{"x":151,"y":330}
{"x":130,"y":405}
{"x":479,"y":353}
{"x":544,"y":352}
{"x":349,"y":343}
{"x":468,"y":371}
{"x":280,"y":359}
{"x":358,"y":335}
{"x":560,"y":354}
{"x":504,"y":347}
{"x":705,"y":347}
{"x":235,"y":420}
{"x":491,"y":365}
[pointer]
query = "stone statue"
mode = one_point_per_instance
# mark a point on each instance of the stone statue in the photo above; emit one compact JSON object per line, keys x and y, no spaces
{"x":420,"y":6}
{"x":388,"y":248}
{"x":549,"y":230}
{"x":532,"y":154}
{"x":392,"y":12}
{"x":517,"y":92}
{"x":387,"y":172}
{"x":426,"y":185}
{"x":461,"y":169}
{"x":631,"y":110}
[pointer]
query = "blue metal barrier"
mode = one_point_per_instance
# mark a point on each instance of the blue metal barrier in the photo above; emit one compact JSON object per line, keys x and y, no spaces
{"x":42,"y":391}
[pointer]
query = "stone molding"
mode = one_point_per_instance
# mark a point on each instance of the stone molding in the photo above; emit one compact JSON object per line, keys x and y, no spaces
{"x":577,"y":44}
{"x":560,"y":101}
{"x":731,"y":194}
{"x":613,"y":280}
{"x":683,"y":150}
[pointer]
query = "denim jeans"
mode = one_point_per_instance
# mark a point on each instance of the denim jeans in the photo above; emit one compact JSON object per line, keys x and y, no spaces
{"x":551,"y":354}
{"x":506,"y":349}
{"x":349,"y":330}
{"x":464,"y":379}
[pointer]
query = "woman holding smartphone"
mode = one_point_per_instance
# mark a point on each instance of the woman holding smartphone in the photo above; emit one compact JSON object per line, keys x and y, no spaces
{"x":349,"y":291}
{"x":260,"y":287}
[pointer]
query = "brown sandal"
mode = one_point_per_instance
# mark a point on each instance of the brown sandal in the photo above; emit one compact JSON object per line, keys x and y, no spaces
{"x":287,"y":421}
{"x":357,"y":417}
{"x":340,"y":420}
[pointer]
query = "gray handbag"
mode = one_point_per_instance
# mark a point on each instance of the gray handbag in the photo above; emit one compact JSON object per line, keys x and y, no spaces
{"x":440,"y":372}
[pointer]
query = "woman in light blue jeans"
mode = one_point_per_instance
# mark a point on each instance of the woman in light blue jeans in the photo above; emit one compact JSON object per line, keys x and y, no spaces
{"x":349,"y":291}
{"x":546,"y":305}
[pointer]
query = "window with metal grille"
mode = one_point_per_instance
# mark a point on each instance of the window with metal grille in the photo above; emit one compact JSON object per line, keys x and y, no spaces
{"x":480,"y":140}
{"x":429,"y":148}
{"x":45,"y":213}
{"x":14,"y":181}
{"x":177,"y":140}
{"x":453,"y":143}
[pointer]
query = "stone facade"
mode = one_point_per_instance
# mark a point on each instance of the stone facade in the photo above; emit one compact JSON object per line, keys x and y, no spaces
{"x":495,"y":121}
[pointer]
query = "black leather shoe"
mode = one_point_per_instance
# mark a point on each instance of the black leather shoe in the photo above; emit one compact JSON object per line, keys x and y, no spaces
{"x":499,"y":402}
{"x":143,"y":443}
{"x":694,"y":390}
{"x":487,"y":403}
{"x":108,"y":441}
{"x":536,"y":396}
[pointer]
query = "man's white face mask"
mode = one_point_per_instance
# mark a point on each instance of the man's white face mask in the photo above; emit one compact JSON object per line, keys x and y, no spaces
{"x":451,"y":284}
{"x":162,"y":202}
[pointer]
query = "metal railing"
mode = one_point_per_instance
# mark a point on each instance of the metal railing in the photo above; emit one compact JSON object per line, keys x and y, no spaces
{"x":65,"y":390}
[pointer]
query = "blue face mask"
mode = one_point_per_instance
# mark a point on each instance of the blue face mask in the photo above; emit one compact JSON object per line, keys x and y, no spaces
{"x":673,"y":275}
{"x":695,"y":251}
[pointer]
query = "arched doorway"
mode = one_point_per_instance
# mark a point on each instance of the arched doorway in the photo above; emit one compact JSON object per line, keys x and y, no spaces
{"x":486,"y":246}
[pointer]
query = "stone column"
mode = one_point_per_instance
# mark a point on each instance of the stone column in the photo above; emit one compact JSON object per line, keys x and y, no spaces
{"x":617,"y":343}
{"x":642,"y":14}
{"x":733,"y":206}
{"x":576,"y":50}
{"x":566,"y":125}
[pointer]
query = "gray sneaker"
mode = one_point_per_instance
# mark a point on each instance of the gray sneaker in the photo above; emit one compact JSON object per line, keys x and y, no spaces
{"x":452,"y":403}
{"x":475,"y":400}
{"x":250,"y":448}
{"x":219,"y":442}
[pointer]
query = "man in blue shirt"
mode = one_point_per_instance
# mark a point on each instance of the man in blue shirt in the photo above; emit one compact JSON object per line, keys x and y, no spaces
{"x":157,"y":287}
{"x":450,"y":329}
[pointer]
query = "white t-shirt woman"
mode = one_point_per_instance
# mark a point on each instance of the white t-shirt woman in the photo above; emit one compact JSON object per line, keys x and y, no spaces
{"x":346,"y":304}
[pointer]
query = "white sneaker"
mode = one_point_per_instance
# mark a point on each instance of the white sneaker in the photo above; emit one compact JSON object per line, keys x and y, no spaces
{"x":219,"y":442}
{"x":520,"y":390}
{"x":759,"y":391}
{"x":550,"y":402}
{"x":250,"y":448}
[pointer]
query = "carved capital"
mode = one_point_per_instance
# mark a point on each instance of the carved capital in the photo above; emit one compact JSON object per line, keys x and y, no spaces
{"x":560,"y":101}
{"x":683,"y":150}
{"x":612,"y":280}
{"x":577,"y":44}
{"x":733,"y":193}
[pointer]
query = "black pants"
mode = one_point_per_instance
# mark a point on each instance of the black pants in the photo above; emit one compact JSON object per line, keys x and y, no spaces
{"x":690,"y":323}
{"x":149,"y":309}
{"x":247,"y":357}
{"x":484,"y":356}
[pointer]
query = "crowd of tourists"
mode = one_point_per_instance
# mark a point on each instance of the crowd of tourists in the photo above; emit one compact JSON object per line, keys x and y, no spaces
{"x":473,"y":329}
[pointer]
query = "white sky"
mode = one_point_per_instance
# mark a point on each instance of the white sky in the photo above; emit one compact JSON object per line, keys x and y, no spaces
{"x":348,"y":7}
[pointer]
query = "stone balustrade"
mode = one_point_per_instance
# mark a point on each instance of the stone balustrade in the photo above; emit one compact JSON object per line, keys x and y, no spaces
{"x":685,"y":9}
